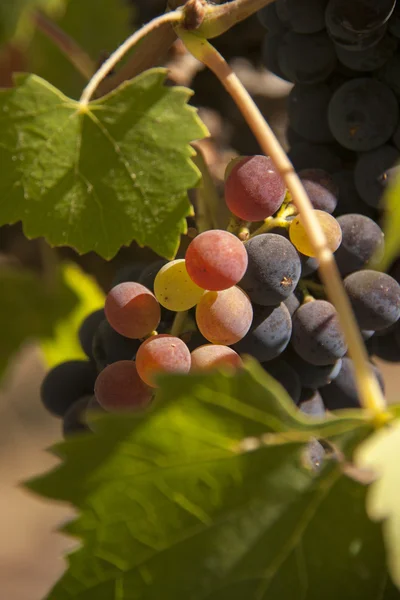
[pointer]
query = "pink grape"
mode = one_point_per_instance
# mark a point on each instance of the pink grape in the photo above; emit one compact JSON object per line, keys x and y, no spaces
{"x":213,"y":356}
{"x":162,"y":353}
{"x":224,"y":317}
{"x":216,"y":260}
{"x":254,"y":189}
{"x":118,"y":387}
{"x":132,"y":310}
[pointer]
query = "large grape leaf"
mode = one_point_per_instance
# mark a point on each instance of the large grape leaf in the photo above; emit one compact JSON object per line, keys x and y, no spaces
{"x":207,"y":497}
{"x":64,"y":344}
{"x":97,"y":179}
{"x":99,"y":27}
{"x":16,"y":16}
{"x":381,"y":453}
{"x":30,"y":309}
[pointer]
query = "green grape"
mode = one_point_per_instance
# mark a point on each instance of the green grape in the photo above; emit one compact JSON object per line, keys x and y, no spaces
{"x":331,"y":228}
{"x":174,"y":289}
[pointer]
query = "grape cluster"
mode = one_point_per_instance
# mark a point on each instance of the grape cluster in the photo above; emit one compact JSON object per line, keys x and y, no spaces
{"x":234,"y":295}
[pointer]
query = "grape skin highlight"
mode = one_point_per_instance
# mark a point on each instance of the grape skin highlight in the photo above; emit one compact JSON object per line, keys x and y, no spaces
{"x":119,"y":388}
{"x":330,"y":227}
{"x":132,"y":310}
{"x":224,"y":317}
{"x":216,"y":260}
{"x":254,"y":189}
{"x":213,"y":356}
{"x":162,"y":354}
{"x":174,"y":289}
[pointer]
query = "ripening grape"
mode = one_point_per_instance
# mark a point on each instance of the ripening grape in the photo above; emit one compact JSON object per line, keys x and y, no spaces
{"x":174,"y":289}
{"x":329,"y":225}
{"x":213,"y":356}
{"x":162,"y":354}
{"x":216,"y":260}
{"x":119,"y":387}
{"x":65,"y":384}
{"x":132,"y":310}
{"x":224,"y":317}
{"x":254,"y":189}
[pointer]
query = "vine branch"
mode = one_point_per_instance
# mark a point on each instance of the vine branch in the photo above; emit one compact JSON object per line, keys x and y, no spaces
{"x":370,"y":391}
{"x":171,"y":17}
{"x":66,"y":44}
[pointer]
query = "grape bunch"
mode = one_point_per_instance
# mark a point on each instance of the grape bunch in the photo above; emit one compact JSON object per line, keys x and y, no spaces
{"x":344,"y":130}
{"x":230,"y":296}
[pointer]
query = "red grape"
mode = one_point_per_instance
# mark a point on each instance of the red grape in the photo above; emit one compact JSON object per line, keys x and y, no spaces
{"x":132,"y":310}
{"x":254,"y":189}
{"x":224,"y":317}
{"x":213,"y":356}
{"x":162,"y":353}
{"x":119,"y":387}
{"x":216,"y":260}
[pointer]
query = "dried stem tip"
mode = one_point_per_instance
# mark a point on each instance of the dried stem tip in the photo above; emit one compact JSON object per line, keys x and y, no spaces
{"x":195,"y":11}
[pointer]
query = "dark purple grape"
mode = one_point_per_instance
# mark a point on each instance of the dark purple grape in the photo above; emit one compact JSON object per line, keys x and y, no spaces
{"x":321,"y":189}
{"x":361,"y":239}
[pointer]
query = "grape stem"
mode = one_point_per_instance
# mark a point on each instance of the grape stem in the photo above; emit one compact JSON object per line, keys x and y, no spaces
{"x":179,"y":323}
{"x":66,"y":44}
{"x":370,"y":392}
{"x":318,"y":288}
{"x":175,"y":16}
{"x":280,"y":220}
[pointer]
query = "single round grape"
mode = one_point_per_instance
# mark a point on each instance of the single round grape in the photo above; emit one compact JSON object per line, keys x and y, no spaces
{"x":216,"y":260}
{"x":119,"y":388}
{"x":302,"y":16}
{"x":88,"y":329}
{"x":212,"y":356}
{"x":149,"y":273}
{"x":313,"y":376}
{"x":74,"y":420}
{"x":368,"y":59}
{"x":375,"y":298}
{"x":269,"y":19}
{"x":162,"y":354}
{"x":270,"y":52}
{"x":390,"y":75}
{"x":317,"y":336}
{"x":361,"y":239}
{"x":65,"y":384}
{"x":373,"y":173}
{"x":273,"y":270}
{"x":305,"y":155}
{"x":329,"y":225}
{"x":224,"y":317}
{"x":109,"y":346}
{"x":292,"y":303}
{"x":386,"y":347}
{"x":308,"y":112}
{"x":254,"y":189}
{"x":363,"y":114}
{"x":174,"y":289}
{"x":269,"y":335}
{"x":307,"y":58}
{"x":361,"y":16}
{"x":349,"y":200}
{"x":132,"y":310}
{"x":313,"y":405}
{"x":321,"y":189}
{"x":342,"y":392}
{"x":280,"y":370}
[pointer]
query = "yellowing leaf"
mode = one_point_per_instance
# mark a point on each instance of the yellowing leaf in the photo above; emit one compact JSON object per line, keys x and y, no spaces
{"x":381,"y":453}
{"x":64,"y":345}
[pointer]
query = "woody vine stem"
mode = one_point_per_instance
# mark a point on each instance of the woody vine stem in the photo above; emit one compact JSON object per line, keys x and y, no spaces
{"x":210,"y":22}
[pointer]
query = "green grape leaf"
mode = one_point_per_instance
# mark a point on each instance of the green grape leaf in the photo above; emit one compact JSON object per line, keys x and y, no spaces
{"x":64,"y":345}
{"x":30,"y":309}
{"x":16,"y":16}
{"x":99,"y":177}
{"x":99,"y":28}
{"x":391,"y":227}
{"x":380,"y":453}
{"x":208,"y":497}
